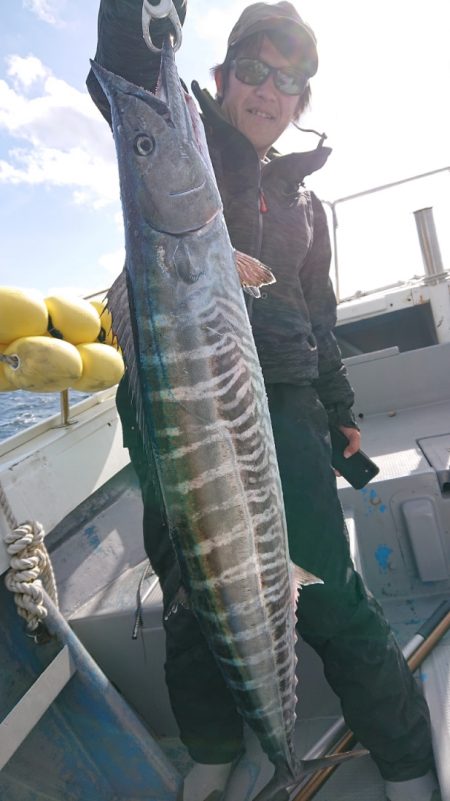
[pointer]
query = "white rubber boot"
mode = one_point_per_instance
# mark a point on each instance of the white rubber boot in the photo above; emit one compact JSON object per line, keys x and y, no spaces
{"x":205,"y":782}
{"x":425,"y":788}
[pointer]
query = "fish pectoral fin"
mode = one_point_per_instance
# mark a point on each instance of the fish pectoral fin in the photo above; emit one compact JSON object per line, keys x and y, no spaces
{"x":303,"y":578}
{"x":252,"y":273}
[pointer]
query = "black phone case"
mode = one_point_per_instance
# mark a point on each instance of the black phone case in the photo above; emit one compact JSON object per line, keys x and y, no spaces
{"x":358,"y":469}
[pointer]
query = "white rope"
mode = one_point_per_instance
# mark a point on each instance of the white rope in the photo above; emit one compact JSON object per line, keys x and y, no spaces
{"x":30,"y":572}
{"x":10,"y":519}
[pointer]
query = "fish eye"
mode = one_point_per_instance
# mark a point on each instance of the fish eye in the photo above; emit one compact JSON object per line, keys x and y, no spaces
{"x":143,"y":144}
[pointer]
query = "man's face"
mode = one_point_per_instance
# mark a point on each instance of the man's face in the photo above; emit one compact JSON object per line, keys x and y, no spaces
{"x":262,"y":112}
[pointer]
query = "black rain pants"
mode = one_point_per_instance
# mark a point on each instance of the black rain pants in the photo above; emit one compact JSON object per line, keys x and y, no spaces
{"x":363,"y":664}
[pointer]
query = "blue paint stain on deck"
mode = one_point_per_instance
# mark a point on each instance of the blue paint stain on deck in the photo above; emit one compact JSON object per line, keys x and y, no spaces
{"x":373,"y":500}
{"x":383,"y":555}
{"x":90,"y":532}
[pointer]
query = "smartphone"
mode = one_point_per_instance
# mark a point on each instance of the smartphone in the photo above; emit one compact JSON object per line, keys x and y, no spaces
{"x":358,"y":469}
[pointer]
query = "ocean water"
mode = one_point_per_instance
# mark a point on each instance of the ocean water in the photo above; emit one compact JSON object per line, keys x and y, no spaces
{"x":20,"y":410}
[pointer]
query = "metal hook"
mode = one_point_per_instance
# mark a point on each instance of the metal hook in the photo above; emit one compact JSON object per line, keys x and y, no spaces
{"x":164,"y":9}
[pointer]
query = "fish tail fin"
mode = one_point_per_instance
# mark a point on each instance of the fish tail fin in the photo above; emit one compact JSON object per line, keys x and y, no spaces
{"x":282,"y":785}
{"x":311,"y":765}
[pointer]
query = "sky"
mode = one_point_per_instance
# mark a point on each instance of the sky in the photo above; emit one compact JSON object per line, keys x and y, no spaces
{"x":381,"y":95}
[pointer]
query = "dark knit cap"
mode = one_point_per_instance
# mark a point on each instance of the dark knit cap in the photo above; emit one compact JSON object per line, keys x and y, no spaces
{"x":260,"y":17}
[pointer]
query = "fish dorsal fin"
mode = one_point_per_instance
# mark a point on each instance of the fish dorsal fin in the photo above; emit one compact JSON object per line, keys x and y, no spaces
{"x":304,"y":579}
{"x":252,"y":273}
{"x":119,"y":305}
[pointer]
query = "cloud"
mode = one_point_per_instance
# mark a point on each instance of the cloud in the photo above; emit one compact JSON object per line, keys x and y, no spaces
{"x":61,"y":139}
{"x":113,"y":262}
{"x":118,"y":219}
{"x":46,"y":10}
{"x":25,"y":71}
{"x":213,"y":24}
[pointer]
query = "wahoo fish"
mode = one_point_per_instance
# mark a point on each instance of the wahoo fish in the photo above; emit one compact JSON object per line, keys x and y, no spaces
{"x":196,"y":383}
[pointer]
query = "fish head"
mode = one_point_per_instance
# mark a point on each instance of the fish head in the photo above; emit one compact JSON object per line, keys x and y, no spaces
{"x":164,"y":177}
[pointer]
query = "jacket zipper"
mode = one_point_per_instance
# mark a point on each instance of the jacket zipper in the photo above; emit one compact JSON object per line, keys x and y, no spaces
{"x":262,"y":209}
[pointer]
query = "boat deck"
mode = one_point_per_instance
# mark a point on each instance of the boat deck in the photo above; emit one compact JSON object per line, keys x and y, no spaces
{"x":399,"y":529}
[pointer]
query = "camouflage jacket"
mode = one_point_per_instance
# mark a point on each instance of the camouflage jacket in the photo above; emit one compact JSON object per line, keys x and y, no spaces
{"x":269,"y":215}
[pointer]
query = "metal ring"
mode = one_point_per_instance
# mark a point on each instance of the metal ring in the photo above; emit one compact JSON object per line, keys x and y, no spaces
{"x":164,"y":10}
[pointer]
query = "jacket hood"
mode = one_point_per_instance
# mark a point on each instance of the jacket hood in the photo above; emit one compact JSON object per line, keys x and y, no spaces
{"x":294,"y":167}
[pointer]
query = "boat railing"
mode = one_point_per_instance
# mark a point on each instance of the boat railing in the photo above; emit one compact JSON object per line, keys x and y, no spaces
{"x":57,"y":421}
{"x":333,"y":206}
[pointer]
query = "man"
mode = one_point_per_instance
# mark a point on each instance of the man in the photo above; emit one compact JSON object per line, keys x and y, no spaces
{"x":262,"y":85}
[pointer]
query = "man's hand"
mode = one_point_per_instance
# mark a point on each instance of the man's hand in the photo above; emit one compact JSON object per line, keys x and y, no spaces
{"x":354,"y":440}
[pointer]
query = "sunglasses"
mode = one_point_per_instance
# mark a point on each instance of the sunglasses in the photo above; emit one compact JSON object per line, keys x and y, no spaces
{"x":252,"y":71}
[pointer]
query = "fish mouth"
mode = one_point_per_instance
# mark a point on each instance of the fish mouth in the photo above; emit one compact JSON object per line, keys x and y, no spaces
{"x":188,"y":191}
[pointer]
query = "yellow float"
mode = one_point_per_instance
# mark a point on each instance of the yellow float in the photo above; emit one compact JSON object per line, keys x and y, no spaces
{"x":5,"y":385}
{"x":72,"y":318}
{"x":102,"y":367}
{"x":22,"y":313}
{"x":42,"y":364}
{"x":56,"y":343}
{"x":106,"y":334}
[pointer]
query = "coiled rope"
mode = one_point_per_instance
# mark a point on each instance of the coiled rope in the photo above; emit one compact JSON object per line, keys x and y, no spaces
{"x":30,"y":567}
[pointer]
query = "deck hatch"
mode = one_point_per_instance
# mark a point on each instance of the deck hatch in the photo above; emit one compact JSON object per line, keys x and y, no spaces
{"x":425,"y":535}
{"x":437,"y":453}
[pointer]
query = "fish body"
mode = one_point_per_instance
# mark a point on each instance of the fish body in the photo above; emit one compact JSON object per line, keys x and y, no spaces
{"x":201,"y":404}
